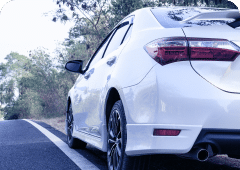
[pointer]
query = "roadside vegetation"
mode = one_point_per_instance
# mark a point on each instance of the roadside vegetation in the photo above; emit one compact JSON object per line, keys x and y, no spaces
{"x":40,"y":80}
{"x":56,"y":122}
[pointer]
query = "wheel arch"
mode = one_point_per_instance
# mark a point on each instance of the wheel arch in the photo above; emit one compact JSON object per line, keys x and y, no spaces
{"x":68,"y":103}
{"x":112,"y":96}
{"x":66,"y":113}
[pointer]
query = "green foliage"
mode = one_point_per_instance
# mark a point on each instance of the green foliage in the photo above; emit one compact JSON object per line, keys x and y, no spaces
{"x":91,"y":25}
{"x":42,"y":88}
{"x":121,"y":8}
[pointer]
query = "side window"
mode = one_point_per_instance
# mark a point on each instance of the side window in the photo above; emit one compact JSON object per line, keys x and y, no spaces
{"x":117,"y":38}
{"x":100,"y":52}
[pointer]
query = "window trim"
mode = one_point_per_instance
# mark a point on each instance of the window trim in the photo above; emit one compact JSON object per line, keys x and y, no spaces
{"x":126,"y":33}
{"x":120,"y":24}
{"x":116,"y":29}
{"x":95,"y":53}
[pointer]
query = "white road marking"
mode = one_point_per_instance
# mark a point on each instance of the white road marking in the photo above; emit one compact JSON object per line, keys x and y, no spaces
{"x":77,"y":158}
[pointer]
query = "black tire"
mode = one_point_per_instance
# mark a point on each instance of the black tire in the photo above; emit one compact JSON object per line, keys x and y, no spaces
{"x":116,"y":143}
{"x":71,"y":141}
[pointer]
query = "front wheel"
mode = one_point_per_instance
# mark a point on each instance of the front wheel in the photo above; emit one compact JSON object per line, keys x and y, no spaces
{"x":116,"y":143}
{"x":71,"y":141}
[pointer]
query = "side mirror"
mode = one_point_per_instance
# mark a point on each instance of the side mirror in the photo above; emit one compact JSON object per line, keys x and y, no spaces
{"x":74,"y":66}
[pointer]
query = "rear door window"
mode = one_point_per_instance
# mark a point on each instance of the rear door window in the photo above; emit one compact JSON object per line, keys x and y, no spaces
{"x":100,"y":52}
{"x":118,"y":37}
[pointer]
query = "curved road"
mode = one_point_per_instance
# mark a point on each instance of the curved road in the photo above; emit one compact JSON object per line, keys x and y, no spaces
{"x":24,"y":147}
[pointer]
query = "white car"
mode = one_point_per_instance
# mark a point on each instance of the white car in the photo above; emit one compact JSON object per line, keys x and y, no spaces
{"x":164,"y":81}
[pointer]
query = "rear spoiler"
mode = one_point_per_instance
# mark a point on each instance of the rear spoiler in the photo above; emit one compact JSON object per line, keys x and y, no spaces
{"x":218,"y":15}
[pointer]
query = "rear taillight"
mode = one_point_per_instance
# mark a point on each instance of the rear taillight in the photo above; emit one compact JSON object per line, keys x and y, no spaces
{"x":212,"y":49}
{"x":168,"y":50}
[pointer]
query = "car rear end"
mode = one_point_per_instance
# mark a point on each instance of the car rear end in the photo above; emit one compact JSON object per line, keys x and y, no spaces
{"x":189,"y":100}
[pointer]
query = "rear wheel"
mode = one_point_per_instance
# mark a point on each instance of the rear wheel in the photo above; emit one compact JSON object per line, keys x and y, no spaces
{"x":117,"y":139}
{"x":71,"y":141}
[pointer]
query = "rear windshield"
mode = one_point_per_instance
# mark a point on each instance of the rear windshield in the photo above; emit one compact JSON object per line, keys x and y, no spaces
{"x":171,"y":17}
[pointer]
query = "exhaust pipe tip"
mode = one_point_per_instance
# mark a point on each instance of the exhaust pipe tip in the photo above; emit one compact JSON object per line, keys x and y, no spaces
{"x":202,"y":155}
{"x":199,"y":153}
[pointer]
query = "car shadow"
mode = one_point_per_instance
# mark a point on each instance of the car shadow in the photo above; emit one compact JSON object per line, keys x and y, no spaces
{"x":173,"y":162}
{"x":167,"y":162}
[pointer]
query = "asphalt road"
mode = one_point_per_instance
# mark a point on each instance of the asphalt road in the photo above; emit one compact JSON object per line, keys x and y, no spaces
{"x":24,"y":147}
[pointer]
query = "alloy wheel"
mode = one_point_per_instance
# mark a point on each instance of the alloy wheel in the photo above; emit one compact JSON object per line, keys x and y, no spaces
{"x":69,"y":124}
{"x":114,"y":140}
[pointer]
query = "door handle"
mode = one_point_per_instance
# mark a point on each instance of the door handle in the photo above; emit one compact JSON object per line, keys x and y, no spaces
{"x":88,"y":74}
{"x":111,"y":61}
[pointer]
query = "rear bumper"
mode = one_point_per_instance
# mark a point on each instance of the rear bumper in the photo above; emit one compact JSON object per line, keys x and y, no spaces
{"x":140,"y":139}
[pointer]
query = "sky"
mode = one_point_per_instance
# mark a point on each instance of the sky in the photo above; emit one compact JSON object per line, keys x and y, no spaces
{"x":24,"y":27}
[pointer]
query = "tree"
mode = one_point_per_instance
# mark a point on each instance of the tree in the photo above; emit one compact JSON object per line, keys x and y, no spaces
{"x":121,"y":8}
{"x":42,"y":89}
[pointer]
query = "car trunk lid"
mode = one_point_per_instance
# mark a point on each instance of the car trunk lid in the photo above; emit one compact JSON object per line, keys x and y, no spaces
{"x":223,"y":74}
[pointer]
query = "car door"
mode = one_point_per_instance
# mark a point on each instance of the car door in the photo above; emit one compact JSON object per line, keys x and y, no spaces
{"x":102,"y":74}
{"x":80,"y":101}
